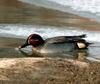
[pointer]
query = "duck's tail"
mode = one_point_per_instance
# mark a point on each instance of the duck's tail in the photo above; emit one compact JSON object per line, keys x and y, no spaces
{"x":88,"y":43}
{"x":82,"y":36}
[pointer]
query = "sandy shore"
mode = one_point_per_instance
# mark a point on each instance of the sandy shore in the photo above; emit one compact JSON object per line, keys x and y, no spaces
{"x":48,"y":71}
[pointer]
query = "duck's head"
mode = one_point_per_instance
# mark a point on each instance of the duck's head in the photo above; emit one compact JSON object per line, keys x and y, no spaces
{"x":34,"y":40}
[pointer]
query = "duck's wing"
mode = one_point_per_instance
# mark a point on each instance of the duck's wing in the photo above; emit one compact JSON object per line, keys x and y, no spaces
{"x":64,"y":39}
{"x":57,"y":40}
{"x":76,"y":37}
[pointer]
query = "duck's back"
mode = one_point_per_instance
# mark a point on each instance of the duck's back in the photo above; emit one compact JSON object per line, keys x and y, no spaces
{"x":64,"y":39}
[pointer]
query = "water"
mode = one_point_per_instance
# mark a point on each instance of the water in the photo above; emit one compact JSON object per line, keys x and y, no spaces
{"x":85,"y":8}
{"x":23,"y":31}
{"x":18,"y":20}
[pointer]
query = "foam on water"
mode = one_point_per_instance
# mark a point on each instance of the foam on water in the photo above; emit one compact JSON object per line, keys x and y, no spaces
{"x":23,"y":31}
{"x":85,"y":8}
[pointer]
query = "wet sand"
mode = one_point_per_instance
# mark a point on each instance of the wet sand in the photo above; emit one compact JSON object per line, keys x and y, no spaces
{"x":48,"y":71}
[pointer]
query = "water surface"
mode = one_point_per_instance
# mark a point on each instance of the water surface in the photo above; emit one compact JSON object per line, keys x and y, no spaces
{"x":18,"y":20}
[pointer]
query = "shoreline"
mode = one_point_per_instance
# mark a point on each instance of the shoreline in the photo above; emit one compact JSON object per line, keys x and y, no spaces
{"x":48,"y":71}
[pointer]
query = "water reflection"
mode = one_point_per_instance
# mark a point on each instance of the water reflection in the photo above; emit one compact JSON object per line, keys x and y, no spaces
{"x":82,"y":54}
{"x":78,"y":55}
{"x":10,"y":53}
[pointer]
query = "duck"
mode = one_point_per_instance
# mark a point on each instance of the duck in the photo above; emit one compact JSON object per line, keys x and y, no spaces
{"x":57,"y":44}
